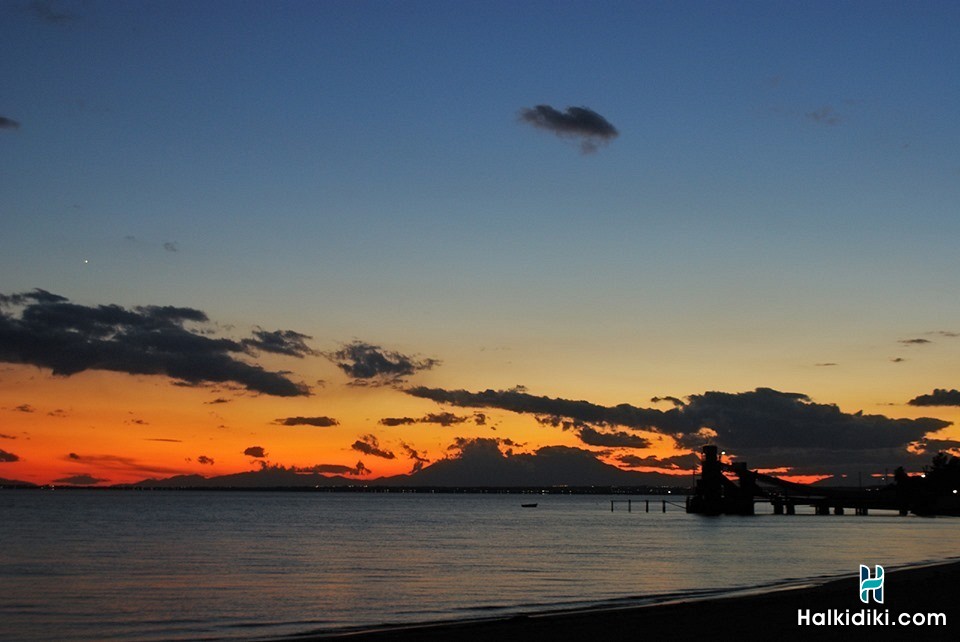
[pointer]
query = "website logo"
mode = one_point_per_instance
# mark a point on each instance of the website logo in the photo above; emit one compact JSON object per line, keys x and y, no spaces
{"x":872,"y":584}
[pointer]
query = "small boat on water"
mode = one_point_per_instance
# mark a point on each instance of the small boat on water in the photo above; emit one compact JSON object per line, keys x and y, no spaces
{"x":528,"y":505}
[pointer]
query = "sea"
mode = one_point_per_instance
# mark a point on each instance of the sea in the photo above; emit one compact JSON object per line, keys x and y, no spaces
{"x":189,"y":565}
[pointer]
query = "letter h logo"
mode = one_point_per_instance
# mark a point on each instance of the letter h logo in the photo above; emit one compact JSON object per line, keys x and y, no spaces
{"x":871,"y":584}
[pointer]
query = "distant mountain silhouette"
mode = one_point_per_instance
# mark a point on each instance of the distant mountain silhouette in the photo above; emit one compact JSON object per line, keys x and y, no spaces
{"x":270,"y":477}
{"x":480,"y":463}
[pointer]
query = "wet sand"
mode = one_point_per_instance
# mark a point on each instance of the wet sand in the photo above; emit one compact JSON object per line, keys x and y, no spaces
{"x":765,"y":616}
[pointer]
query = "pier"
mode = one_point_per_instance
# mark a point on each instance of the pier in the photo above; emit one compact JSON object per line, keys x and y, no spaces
{"x":734,"y":489}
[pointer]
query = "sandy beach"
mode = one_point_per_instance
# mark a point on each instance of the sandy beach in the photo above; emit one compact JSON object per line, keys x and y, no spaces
{"x":766,"y":615}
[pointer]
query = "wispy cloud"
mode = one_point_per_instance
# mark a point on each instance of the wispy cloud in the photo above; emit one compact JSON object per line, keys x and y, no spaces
{"x":7,"y":457}
{"x":51,"y":12}
{"x":8,"y":123}
{"x":824,"y":116}
{"x":80,"y":480}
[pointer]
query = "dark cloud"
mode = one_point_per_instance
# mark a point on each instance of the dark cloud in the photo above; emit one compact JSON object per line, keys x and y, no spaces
{"x":171,"y":246}
{"x":73,"y":456}
{"x":677,"y":462}
{"x":914,"y":342}
{"x":946,"y":333}
{"x":939,"y":397}
{"x":898,"y":359}
{"x":368,"y":364}
{"x":50,"y":332}
{"x":674,"y":400}
{"x":80,"y":480}
{"x":369,"y":445}
{"x":7,"y":458}
{"x":576,"y":122}
{"x":3,"y":436}
{"x":825,"y":364}
{"x":517,"y":400}
{"x":172,"y":441}
{"x":480,"y":419}
{"x":24,"y":407}
{"x":334,"y":469}
{"x":617,"y":439}
{"x":286,"y":342}
{"x":8,"y":123}
{"x":218,"y":400}
{"x":255,"y":451}
{"x":766,"y":427}
{"x":36,"y":296}
{"x":824,"y":116}
{"x":419,"y":459}
{"x":203,"y":459}
{"x":445,"y":419}
{"x":320,"y":422}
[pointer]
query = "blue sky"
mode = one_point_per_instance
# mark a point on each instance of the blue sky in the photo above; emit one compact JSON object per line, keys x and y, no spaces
{"x":783,"y":190}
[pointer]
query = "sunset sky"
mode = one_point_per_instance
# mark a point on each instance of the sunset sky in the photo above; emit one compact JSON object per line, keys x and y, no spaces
{"x":326,"y":228}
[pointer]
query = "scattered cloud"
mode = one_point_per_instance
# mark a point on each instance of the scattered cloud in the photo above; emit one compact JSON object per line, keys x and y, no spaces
{"x":7,"y":457}
{"x":369,"y":445}
{"x":914,"y":342}
{"x":676,"y":462}
{"x":368,"y":364}
{"x":335,"y":469}
{"x":171,"y":246}
{"x":897,"y":359}
{"x":255,"y":451}
{"x":939,"y":397}
{"x":674,"y":400}
{"x":50,"y":332}
{"x":824,"y":116}
{"x":443,"y":418}
{"x":286,"y":342}
{"x":24,"y":407}
{"x":419,"y":459}
{"x":8,"y":123}
{"x":218,"y":400}
{"x":581,"y":123}
{"x":3,"y":436}
{"x":320,"y":422}
{"x":766,"y":427}
{"x":80,"y":480}
{"x":616,"y":439}
{"x":172,"y":441}
{"x":825,"y":364}
{"x":203,"y":459}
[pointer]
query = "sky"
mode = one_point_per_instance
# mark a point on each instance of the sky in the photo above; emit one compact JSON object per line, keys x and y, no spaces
{"x":354,"y":236}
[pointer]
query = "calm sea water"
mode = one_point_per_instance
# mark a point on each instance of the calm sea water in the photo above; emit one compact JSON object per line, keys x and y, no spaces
{"x":185,"y":565}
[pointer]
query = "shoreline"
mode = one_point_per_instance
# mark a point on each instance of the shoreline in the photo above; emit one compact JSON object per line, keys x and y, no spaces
{"x":767,"y":611}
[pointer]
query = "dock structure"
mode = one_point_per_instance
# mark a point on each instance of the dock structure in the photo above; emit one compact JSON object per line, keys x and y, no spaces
{"x":734,"y":489}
